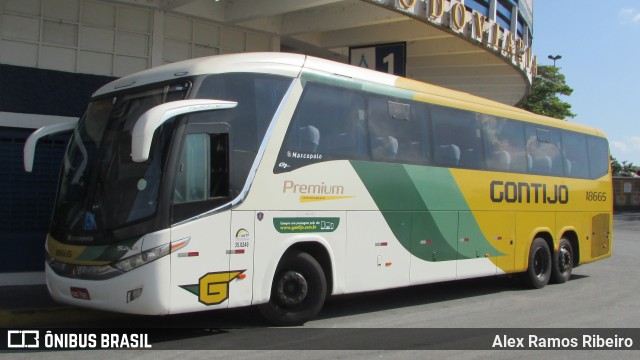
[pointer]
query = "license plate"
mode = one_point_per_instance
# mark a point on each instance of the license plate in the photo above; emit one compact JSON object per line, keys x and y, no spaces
{"x":80,"y":293}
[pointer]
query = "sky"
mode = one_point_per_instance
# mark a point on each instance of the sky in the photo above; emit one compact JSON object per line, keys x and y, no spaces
{"x":599,"y":42}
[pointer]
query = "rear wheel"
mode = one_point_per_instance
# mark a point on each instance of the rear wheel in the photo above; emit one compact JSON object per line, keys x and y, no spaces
{"x":539,"y":270}
{"x":562,"y":262}
{"x":298,"y":290}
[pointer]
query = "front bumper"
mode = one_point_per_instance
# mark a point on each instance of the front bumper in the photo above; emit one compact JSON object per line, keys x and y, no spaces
{"x":152,"y":280}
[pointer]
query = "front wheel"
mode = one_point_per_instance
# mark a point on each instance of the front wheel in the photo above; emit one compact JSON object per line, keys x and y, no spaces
{"x":562,"y":262}
{"x":539,"y":270}
{"x":298,"y":290}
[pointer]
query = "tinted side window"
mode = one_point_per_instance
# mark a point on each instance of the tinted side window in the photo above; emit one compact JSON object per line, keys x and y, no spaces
{"x":504,"y":145}
{"x":258,"y":97}
{"x":456,"y":138}
{"x":543,"y":151}
{"x":329,"y":124}
{"x":397,"y":130}
{"x":598,"y":157}
{"x":339,"y":115}
{"x":576,"y":160}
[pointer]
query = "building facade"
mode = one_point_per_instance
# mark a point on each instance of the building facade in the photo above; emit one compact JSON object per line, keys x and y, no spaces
{"x":55,"y":53}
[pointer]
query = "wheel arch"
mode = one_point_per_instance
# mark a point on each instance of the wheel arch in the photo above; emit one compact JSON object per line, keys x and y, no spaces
{"x":314,"y":245}
{"x":546,"y":235}
{"x":319,"y":252}
{"x":543,"y":233}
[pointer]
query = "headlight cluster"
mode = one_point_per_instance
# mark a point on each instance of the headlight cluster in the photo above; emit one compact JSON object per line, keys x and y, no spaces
{"x":103,"y":272}
{"x":146,"y":257}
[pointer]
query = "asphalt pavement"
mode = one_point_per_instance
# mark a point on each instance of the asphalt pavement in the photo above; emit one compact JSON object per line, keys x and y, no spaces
{"x":31,"y":305}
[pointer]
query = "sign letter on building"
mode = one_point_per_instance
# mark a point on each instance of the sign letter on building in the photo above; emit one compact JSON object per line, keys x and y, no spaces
{"x":387,"y":58}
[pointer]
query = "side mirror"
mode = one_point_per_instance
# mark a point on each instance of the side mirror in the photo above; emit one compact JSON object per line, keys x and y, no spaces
{"x":147,"y":123}
{"x":29,"y":150}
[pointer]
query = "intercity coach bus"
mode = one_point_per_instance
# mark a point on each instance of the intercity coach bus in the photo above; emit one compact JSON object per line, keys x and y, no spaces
{"x":277,"y":180}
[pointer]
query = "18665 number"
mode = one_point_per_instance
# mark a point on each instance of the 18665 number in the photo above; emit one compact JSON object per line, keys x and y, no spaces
{"x":596,"y":196}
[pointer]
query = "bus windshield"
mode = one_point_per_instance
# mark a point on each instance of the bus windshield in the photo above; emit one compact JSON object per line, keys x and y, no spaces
{"x":101,"y":188}
{"x":104,"y":196}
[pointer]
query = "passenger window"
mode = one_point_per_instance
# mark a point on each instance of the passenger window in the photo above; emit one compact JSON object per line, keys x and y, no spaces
{"x":456,"y":137}
{"x":598,"y":157}
{"x":329,"y":124}
{"x":543,"y":151}
{"x":258,"y":97}
{"x":576,"y":160}
{"x":396,"y":130}
{"x":504,"y":148}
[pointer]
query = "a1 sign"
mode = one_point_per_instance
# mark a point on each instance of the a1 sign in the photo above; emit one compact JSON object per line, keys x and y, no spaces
{"x":388,"y":58}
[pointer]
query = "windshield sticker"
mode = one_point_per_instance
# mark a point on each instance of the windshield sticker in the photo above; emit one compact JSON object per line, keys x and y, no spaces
{"x":142,"y":184}
{"x":306,"y":225}
{"x":89,"y":221}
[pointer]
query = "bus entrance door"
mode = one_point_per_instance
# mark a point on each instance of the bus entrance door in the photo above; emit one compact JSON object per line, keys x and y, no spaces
{"x":200,"y":270}
{"x":200,"y":273}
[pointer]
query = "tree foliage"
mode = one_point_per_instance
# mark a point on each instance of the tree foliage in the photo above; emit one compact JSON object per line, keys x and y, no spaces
{"x":616,"y":167}
{"x":624,"y":169}
{"x":543,"y":99}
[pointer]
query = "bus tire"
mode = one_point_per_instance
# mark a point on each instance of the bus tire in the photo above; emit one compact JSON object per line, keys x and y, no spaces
{"x":298,"y":290}
{"x":539,"y":269}
{"x":562,"y":262}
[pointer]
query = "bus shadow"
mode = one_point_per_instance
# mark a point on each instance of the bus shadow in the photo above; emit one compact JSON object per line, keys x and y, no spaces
{"x":362,"y":303}
{"x":578,"y":277}
{"x":374,"y":301}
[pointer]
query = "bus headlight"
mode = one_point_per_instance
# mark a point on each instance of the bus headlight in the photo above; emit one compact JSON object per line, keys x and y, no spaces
{"x":86,"y":272}
{"x":103,"y":272}
{"x":145,"y":257}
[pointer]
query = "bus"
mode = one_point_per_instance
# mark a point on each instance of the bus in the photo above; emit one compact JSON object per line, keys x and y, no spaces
{"x":277,"y":180}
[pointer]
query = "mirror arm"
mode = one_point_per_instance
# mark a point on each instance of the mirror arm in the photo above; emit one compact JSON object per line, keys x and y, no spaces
{"x":29,"y":150}
{"x":147,"y":123}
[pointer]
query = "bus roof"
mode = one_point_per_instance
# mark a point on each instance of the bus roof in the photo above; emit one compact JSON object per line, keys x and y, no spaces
{"x":272,"y":63}
{"x":294,"y":64}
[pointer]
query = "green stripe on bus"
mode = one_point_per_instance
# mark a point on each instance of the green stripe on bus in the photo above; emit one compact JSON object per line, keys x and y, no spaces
{"x":343,"y":82}
{"x":425,"y":210}
{"x":349,"y":83}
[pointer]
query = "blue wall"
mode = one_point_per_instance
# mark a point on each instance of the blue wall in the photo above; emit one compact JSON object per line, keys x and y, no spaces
{"x":27,"y":198}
